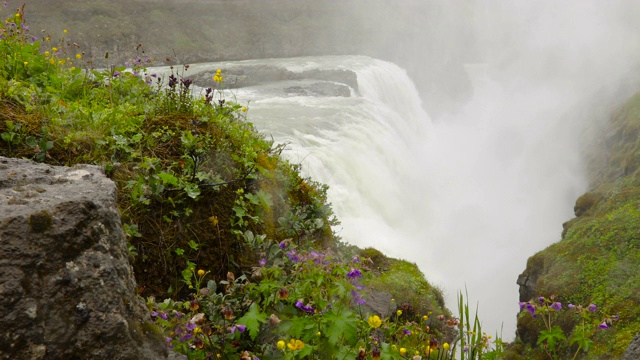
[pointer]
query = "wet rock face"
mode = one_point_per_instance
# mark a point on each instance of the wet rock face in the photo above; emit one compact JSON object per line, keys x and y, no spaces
{"x":66,"y":288}
{"x":633,"y":351}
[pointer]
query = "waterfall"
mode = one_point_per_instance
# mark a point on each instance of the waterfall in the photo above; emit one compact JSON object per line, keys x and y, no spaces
{"x":467,"y":198}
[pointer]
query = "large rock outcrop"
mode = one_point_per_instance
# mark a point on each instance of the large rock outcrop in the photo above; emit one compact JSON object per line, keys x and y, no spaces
{"x":66,"y":288}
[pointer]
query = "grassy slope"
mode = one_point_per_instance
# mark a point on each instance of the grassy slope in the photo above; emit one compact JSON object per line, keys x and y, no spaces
{"x":598,"y":259}
{"x":153,"y":143}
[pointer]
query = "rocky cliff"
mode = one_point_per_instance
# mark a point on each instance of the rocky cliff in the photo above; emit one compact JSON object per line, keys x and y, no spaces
{"x":67,"y":290}
{"x":598,"y":258}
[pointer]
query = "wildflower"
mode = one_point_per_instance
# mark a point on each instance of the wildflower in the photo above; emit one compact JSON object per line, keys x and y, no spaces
{"x":374,"y":321}
{"x":445,"y":346}
{"x":200,"y":272}
{"x":354,"y":273}
{"x":239,"y":328}
{"x":294,"y":345}
{"x":571,"y":306}
{"x":592,"y":307}
{"x":154,"y":314}
{"x":425,"y":317}
{"x":522,"y":304}
{"x":603,"y":326}
{"x":78,"y":56}
{"x":357,"y":298}
{"x":46,"y":53}
{"x":306,"y":308}
{"x":26,"y":63}
{"x":282,"y":245}
{"x":355,"y":259}
{"x":65,"y":31}
{"x":55,"y":49}
{"x":293,"y":256}
{"x":281,"y":345}
{"x":375,"y":354}
{"x":263,"y":262}
{"x":403,"y":351}
{"x":531,"y":309}
{"x":244,"y":109}
{"x":556,"y":305}
{"x":18,"y":15}
{"x":399,"y":312}
{"x":198,"y":343}
{"x":541,"y":300}
{"x":406,"y":331}
{"x":191,"y":326}
{"x":228,"y":314}
{"x":283,"y":294}
{"x":193,"y":305}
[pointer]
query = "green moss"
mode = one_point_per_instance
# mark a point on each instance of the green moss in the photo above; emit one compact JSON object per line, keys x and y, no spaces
{"x":40,"y":222}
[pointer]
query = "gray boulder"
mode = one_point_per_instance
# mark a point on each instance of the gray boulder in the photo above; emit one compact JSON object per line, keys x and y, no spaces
{"x":66,"y":287}
{"x":633,"y":351}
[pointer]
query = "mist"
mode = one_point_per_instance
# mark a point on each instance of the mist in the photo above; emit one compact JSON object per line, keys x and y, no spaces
{"x":501,"y":167}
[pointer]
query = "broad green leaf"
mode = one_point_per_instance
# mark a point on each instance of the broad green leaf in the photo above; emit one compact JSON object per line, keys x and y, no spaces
{"x":343,"y":324}
{"x":252,"y":320}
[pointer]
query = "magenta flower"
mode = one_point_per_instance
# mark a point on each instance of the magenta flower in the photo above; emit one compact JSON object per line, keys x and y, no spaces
{"x":531,"y":309}
{"x":263,"y":262}
{"x":603,"y":326}
{"x":354,"y":273}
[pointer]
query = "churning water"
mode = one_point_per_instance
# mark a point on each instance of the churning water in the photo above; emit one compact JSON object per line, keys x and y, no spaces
{"x":468,"y":198}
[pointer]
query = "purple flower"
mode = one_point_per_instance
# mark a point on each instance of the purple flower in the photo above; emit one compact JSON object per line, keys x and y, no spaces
{"x":190,"y":326}
{"x":263,"y":262}
{"x":592,"y":307}
{"x":116,"y":74}
{"x":522,"y":304}
{"x":306,"y":308}
{"x":603,"y":326}
{"x":357,"y":298}
{"x":164,"y":316}
{"x":282,"y":245}
{"x":355,"y":259}
{"x":406,"y":331}
{"x":239,"y":328}
{"x":154,"y":314}
{"x":571,"y":306}
{"x":556,"y":305}
{"x":185,"y":338}
{"x":354,"y":273}
{"x":541,"y":300}
{"x":293,"y":256}
{"x":530,"y":308}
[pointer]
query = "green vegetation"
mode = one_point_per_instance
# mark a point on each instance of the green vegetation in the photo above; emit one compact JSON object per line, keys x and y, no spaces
{"x":199,"y":188}
{"x":598,"y":259}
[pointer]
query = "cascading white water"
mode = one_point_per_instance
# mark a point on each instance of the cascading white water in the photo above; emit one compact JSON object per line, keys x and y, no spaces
{"x":468,"y":199}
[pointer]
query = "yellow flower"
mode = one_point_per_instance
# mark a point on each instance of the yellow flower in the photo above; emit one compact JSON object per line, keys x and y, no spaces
{"x":294,"y":345}
{"x":18,"y":15}
{"x":73,"y":68}
{"x":244,"y":109}
{"x":52,"y":60}
{"x":445,"y":346}
{"x":280,"y":345}
{"x":425,"y":318}
{"x":55,"y":49}
{"x":65,"y":31}
{"x":78,"y":56}
{"x":399,"y":312}
{"x":46,"y":53}
{"x":218,"y":72}
{"x":217,"y":78}
{"x":394,"y":347}
{"x":197,"y":330}
{"x":374,"y":321}
{"x":403,"y":351}
{"x":319,"y":333}
{"x":26,"y":63}
{"x":200,"y":272}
